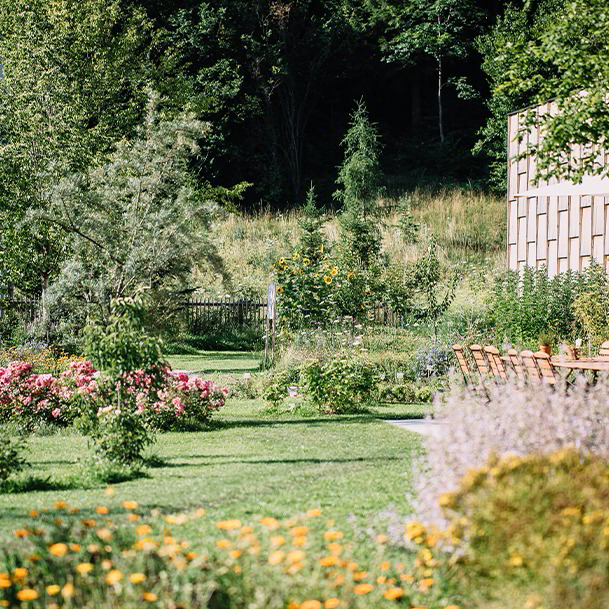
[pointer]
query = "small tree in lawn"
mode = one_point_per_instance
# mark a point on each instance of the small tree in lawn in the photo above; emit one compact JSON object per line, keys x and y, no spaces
{"x":311,"y":242}
{"x":359,"y":181}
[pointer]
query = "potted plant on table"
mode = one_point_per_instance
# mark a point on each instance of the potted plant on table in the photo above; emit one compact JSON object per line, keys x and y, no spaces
{"x":546,"y":340}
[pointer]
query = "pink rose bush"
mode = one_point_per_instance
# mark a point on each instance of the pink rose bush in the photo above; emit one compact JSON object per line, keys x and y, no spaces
{"x":163,"y":400}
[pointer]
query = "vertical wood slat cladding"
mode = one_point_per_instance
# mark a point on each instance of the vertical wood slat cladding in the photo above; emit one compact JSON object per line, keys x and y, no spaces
{"x":558,"y":233}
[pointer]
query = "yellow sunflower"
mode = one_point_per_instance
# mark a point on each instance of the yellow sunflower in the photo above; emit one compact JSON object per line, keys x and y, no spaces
{"x":327,"y":280}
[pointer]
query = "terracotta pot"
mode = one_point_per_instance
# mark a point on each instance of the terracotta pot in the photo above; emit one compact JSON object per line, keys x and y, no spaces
{"x":573,"y":352}
{"x":546,"y":349}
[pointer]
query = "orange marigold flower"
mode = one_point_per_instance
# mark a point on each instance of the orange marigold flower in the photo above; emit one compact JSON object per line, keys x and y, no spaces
{"x":381,"y":579}
{"x":270,"y":523}
{"x":53,"y":589}
{"x":58,"y":549}
{"x":407,"y":577}
{"x":191,"y":555}
{"x":104,"y":534}
{"x":20,"y":572}
{"x":27,"y":594}
{"x":150,"y":597}
{"x":300,"y":540}
{"x":426,"y":583}
{"x":143,"y":529}
{"x":223,"y":544}
{"x":299,"y":531}
{"x":451,"y":607}
{"x":246,"y":530}
{"x":362,"y":589}
{"x":333,"y":535}
{"x":102,"y":510}
{"x":89,"y":523}
{"x":22,"y":533}
{"x":114,"y":577}
{"x":296,"y":556}
{"x":329,"y":561}
{"x":276,"y":557}
{"x":133,"y":517}
{"x":84,"y":568}
{"x":35,"y":557}
{"x":61,"y":505}
{"x":74,"y":547}
{"x":277,"y":540}
{"x":5,"y":583}
{"x":237,"y":569}
{"x":335,"y":549}
{"x":331,"y":603}
{"x":385,"y":566}
{"x":360,"y":575}
{"x":314,"y":513}
{"x":393,"y":594}
{"x":68,"y":590}
{"x":236,"y":554}
{"x":130,"y":505}
{"x":34,"y":514}
{"x":137,"y":578}
{"x":228,"y":525}
{"x":312,"y":604}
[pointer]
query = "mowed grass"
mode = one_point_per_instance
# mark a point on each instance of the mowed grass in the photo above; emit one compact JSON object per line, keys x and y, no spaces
{"x":250,"y":463}
{"x":210,"y":362}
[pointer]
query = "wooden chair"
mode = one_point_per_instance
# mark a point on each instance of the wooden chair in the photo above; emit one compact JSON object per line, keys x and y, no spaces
{"x":496,"y":363}
{"x":460,"y":355}
{"x":517,"y":364}
{"x":544,"y":364}
{"x":480,"y":360}
{"x":528,"y":360}
{"x":604,"y":350}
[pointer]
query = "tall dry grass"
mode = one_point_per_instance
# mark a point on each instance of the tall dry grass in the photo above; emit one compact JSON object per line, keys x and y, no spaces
{"x":469,"y":227}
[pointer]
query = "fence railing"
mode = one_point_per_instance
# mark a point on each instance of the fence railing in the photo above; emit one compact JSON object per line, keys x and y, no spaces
{"x":26,"y":308}
{"x":205,"y":312}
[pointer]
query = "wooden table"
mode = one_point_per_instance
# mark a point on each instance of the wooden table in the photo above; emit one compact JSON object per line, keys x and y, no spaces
{"x":593,"y":364}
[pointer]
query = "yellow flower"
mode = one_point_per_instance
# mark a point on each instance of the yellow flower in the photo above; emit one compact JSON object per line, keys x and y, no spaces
{"x":270,"y":523}
{"x":312,"y":604}
{"x":53,"y":589}
{"x":61,"y":505}
{"x":516,"y":561}
{"x":295,"y":256}
{"x":426,"y":583}
{"x":314,"y":513}
{"x":300,"y":540}
{"x":5,"y":583}
{"x":84,"y":567}
{"x":393,"y":594}
{"x":58,"y":549}
{"x":281,"y":261}
{"x":102,"y":510}
{"x":223,"y":544}
{"x":334,"y":272}
{"x":350,"y":275}
{"x":331,"y":603}
{"x":385,"y":566}
{"x":130,"y":505}
{"x":27,"y":594}
{"x":327,"y":280}
{"x":362,"y":589}
{"x":150,"y":597}
{"x":137,"y":578}
{"x":295,"y":556}
{"x":114,"y":577}
{"x":277,"y":540}
{"x":360,"y":575}
{"x":335,"y":549}
{"x":133,"y":517}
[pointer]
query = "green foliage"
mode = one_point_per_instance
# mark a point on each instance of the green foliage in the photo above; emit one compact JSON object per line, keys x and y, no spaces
{"x":311,"y":243}
{"x":12,"y":460}
{"x":522,"y":310}
{"x":591,"y":306}
{"x":539,"y":523}
{"x":360,"y":180}
{"x":409,"y":227}
{"x":121,"y":345}
{"x":340,"y":384}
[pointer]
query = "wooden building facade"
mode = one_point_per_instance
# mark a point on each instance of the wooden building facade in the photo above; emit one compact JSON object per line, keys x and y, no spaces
{"x":558,"y":232}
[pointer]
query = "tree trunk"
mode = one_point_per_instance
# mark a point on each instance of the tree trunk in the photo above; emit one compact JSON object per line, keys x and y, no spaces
{"x":440,"y":110}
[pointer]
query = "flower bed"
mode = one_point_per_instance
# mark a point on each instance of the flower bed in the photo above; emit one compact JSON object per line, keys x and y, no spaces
{"x":165,"y":401}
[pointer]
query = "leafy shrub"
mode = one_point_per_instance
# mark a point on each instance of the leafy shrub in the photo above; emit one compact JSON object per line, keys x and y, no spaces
{"x":340,"y":384}
{"x":538,"y":522}
{"x":275,"y":388}
{"x":520,"y":420}
{"x":591,"y":306}
{"x":424,"y":395}
{"x":405,"y":393}
{"x":12,"y":460}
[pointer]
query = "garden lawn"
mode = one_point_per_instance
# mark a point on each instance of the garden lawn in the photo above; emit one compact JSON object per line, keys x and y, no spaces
{"x":224,"y":362}
{"x":250,"y":463}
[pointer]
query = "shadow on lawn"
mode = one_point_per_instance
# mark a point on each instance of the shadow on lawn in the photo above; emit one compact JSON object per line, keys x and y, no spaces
{"x":319,"y":460}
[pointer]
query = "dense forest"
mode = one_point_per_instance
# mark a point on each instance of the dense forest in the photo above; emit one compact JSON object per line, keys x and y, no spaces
{"x":268,"y":87}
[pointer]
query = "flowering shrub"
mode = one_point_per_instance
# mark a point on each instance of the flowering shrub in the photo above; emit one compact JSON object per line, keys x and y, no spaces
{"x":341,"y":383}
{"x":517,"y":420}
{"x":44,"y":359}
{"x":435,"y":361}
{"x":537,"y":522}
{"x":160,"y":399}
{"x":302,"y":563}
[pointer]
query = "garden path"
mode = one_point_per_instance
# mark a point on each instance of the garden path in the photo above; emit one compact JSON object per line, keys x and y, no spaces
{"x":426,"y":427}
